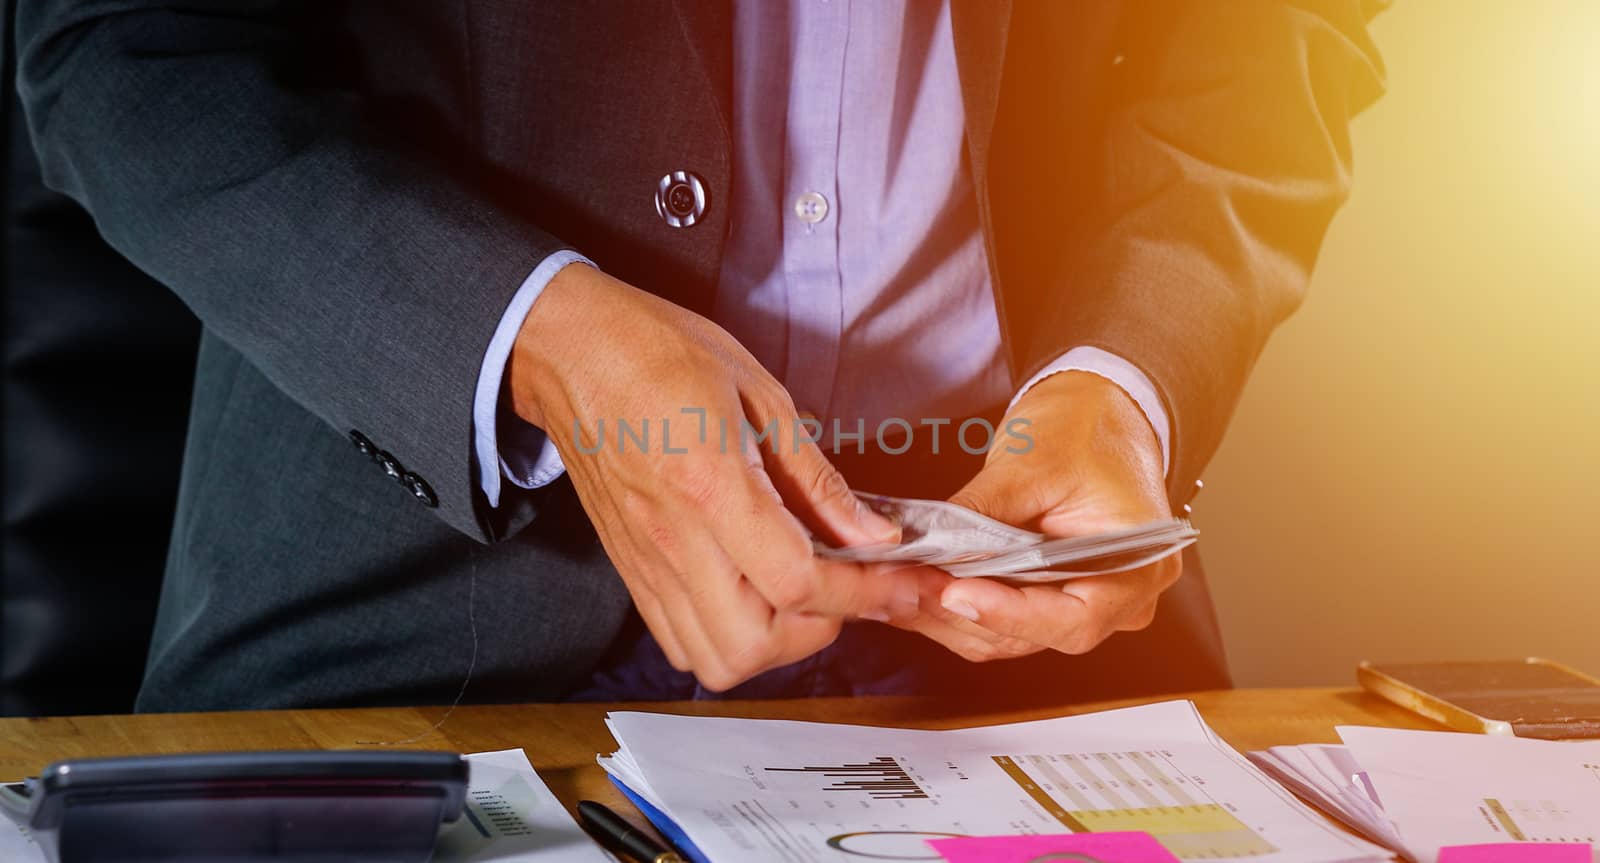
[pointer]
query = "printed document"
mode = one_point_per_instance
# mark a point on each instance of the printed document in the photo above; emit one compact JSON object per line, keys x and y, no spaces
{"x":800,"y":792}
{"x":1449,"y":788}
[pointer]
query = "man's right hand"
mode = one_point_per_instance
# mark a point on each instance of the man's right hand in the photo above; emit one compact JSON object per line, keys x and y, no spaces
{"x":709,"y":541}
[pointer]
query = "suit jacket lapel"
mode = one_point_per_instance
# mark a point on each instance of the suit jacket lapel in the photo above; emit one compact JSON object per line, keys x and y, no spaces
{"x":708,"y":26}
{"x":980,"y":28}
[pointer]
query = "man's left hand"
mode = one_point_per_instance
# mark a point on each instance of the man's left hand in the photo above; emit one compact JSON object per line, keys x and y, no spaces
{"x":1094,"y":465}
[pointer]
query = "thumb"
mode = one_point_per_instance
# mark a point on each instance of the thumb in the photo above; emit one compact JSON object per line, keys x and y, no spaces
{"x":1002,"y":493}
{"x":820,"y":497}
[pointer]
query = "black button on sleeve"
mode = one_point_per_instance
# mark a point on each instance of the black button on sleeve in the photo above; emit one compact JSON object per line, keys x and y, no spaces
{"x":420,"y":490}
{"x":364,"y":444}
{"x":390,"y":465}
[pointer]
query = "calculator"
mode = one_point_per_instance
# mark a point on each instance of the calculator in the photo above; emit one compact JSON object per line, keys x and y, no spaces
{"x":242,"y":807}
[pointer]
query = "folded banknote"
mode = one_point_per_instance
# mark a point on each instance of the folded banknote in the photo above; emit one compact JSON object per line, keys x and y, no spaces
{"x":965,"y":544}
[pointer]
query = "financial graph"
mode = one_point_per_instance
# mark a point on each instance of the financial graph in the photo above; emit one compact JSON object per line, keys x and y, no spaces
{"x":1139,"y":791}
{"x":491,"y":815}
{"x":1082,"y":792}
{"x":1536,"y":820}
{"x":882,"y":778}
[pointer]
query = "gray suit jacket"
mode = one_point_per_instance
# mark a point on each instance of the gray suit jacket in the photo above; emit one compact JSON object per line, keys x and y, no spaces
{"x":348,"y":193}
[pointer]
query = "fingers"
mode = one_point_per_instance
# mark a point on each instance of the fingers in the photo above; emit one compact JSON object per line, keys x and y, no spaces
{"x":659,"y":623}
{"x":1126,"y":609}
{"x":721,"y":570}
{"x":813,"y":490}
{"x":966,"y":639}
{"x":730,"y":634}
{"x":734,"y":633}
{"x":629,"y":561}
{"x":683,"y":557}
{"x":802,"y":635}
{"x":708,"y":618}
{"x":845,"y":589}
{"x":1003,"y":492}
{"x":960,"y":636}
{"x":1044,"y":616}
{"x":1073,"y":617}
{"x":767,"y":545}
{"x":835,"y":588}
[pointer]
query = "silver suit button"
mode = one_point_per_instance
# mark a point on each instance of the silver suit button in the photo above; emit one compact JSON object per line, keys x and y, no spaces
{"x":811,"y":208}
{"x":680,"y":198}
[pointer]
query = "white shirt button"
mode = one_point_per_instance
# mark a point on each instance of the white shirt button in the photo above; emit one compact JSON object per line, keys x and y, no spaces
{"x":811,"y":208}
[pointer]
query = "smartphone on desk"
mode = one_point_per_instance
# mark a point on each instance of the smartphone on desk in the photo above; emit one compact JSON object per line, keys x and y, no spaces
{"x":1520,"y":697}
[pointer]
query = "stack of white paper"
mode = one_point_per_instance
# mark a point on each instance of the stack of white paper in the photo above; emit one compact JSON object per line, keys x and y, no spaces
{"x":799,"y":792}
{"x":1328,"y":776}
{"x":1417,"y":791}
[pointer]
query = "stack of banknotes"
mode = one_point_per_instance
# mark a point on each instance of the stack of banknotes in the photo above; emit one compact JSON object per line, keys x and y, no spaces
{"x":965,"y":544}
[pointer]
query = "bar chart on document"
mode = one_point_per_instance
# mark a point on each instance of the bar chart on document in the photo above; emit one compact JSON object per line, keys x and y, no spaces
{"x":883,"y":804}
{"x":1078,"y":792}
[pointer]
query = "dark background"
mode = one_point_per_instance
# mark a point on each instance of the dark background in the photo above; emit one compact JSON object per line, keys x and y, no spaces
{"x":98,"y":367}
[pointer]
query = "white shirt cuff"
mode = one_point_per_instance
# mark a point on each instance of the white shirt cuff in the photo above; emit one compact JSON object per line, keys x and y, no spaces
{"x":1120,"y":372}
{"x":522,"y":438}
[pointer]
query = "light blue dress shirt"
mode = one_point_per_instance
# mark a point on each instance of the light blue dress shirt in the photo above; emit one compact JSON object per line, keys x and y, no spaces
{"x":855,"y":270}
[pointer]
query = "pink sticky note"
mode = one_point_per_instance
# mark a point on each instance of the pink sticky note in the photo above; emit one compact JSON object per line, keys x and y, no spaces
{"x":1086,"y":848}
{"x":1518,"y":852}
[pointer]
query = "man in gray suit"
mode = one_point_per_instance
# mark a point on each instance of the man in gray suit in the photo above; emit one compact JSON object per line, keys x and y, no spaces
{"x":437,"y":247}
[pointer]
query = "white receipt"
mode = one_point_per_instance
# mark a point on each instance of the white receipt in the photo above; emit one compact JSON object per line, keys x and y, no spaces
{"x":511,"y":816}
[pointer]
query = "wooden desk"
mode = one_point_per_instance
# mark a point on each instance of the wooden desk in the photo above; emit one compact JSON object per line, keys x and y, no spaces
{"x":562,"y":739}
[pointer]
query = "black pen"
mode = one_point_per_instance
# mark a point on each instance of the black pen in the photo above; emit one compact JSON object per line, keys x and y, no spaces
{"x":616,"y":832}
